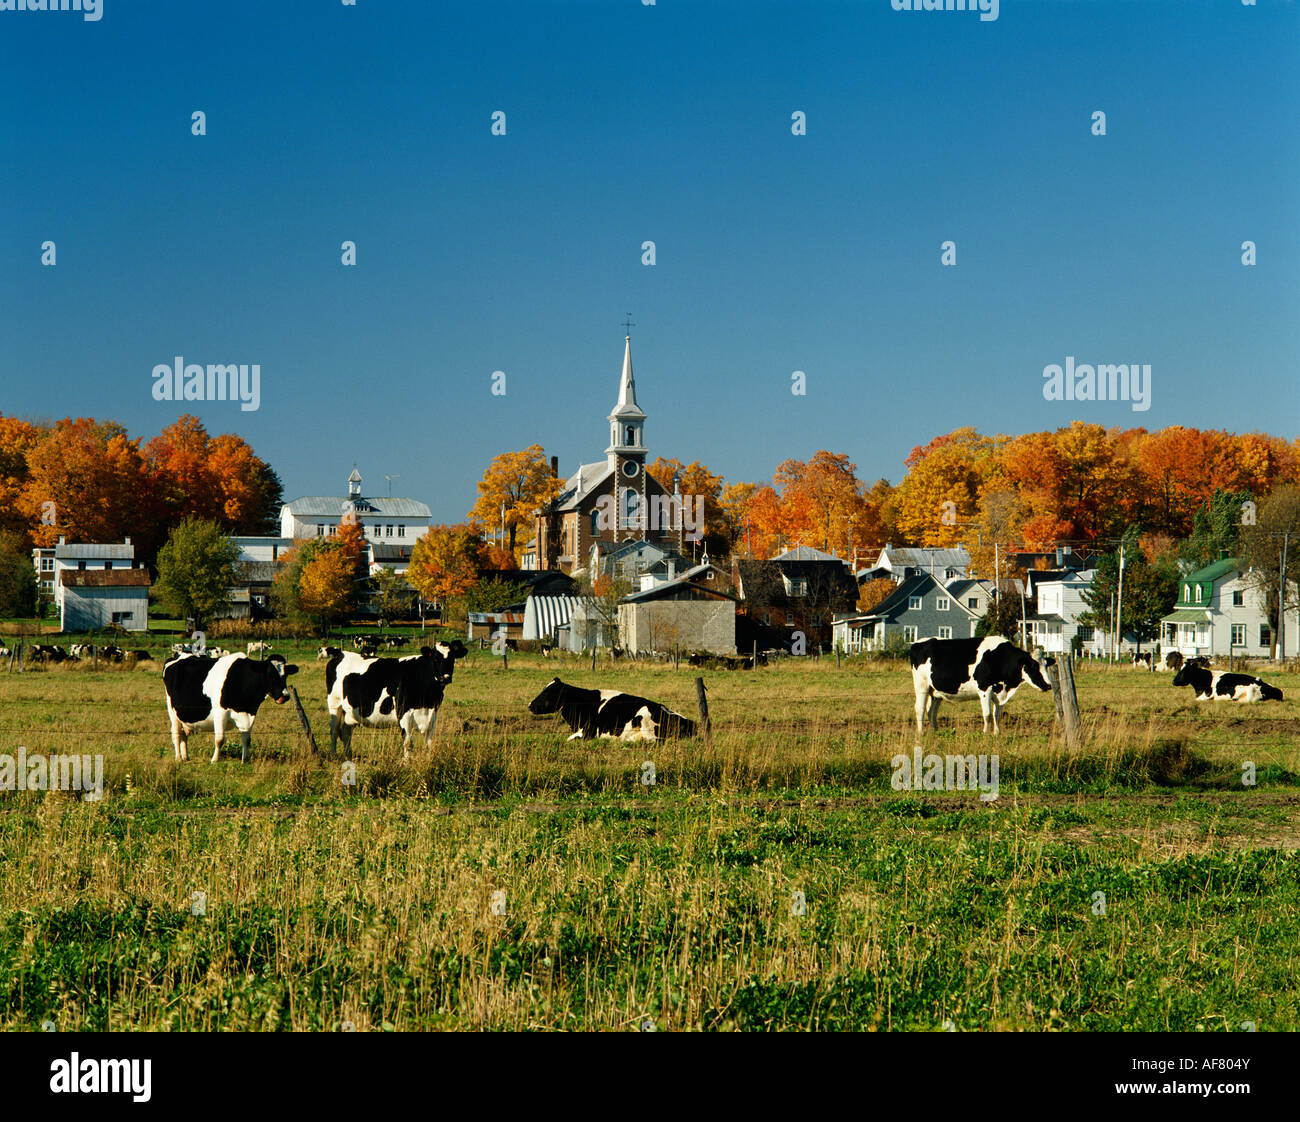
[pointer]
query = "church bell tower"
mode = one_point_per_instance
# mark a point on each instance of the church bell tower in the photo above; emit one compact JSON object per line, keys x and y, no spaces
{"x":627,"y":454}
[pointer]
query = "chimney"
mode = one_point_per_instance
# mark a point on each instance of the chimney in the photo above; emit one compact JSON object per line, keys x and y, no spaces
{"x":555,"y":467}
{"x":1060,"y":557}
{"x":62,"y":540}
{"x":127,"y":540}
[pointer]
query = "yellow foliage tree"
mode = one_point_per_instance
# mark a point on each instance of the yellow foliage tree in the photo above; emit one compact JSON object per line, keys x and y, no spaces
{"x":326,"y":589}
{"x":521,"y":482}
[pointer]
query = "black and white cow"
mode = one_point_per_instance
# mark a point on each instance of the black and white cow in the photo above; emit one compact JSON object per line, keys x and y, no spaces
{"x":323,"y":654}
{"x":1172,"y":661}
{"x":624,"y":716}
{"x":1223,"y":686}
{"x":991,"y":669}
{"x":1144,"y":660}
{"x":210,"y":693}
{"x":379,"y":692}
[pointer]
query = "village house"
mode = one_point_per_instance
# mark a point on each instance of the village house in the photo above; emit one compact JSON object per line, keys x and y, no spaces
{"x":1056,"y":596}
{"x":920,"y":607}
{"x":782,"y":596}
{"x":98,"y":585}
{"x":1220,"y":611}
{"x":387,"y":520}
{"x":614,"y":500}
{"x":904,"y":562}
{"x":691,"y":612}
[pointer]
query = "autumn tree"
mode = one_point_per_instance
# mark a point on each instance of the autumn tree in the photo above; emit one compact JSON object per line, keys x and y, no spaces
{"x":326,"y":588}
{"x":97,"y":482}
{"x":941,"y":489}
{"x":522,"y":483}
{"x":17,"y":439}
{"x":445,"y":563}
{"x":196,"y":569}
{"x":874,"y":592}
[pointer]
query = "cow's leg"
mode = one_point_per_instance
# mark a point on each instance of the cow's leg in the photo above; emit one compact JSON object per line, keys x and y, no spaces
{"x":178,"y":737}
{"x":997,"y":708}
{"x":345,"y":735}
{"x":407,"y":725}
{"x":428,"y":732}
{"x":218,"y":732}
{"x":984,"y":708}
{"x":922,"y":703}
{"x":245,"y":743}
{"x":336,"y":719}
{"x":935,"y":700}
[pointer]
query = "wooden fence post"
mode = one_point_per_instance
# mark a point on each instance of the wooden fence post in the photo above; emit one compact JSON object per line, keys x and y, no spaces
{"x":1061,"y":675}
{"x":302,"y":716}
{"x":702,"y":703}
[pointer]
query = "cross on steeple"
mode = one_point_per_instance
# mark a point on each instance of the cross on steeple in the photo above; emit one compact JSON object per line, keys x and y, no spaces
{"x":628,"y":325}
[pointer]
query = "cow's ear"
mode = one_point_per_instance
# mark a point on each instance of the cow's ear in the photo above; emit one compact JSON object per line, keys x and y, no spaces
{"x":290,"y":669}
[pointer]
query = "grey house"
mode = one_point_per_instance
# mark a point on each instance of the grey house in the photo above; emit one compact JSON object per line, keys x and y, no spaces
{"x":95,"y":598}
{"x":921,"y":607}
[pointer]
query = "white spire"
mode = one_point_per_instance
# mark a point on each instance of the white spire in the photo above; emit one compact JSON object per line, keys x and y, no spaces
{"x":627,"y":406}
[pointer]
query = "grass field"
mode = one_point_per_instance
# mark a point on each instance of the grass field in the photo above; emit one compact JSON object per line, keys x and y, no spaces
{"x":672,"y":906}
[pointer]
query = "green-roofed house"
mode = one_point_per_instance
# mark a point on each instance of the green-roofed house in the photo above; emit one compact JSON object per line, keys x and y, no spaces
{"x":1220,"y":610}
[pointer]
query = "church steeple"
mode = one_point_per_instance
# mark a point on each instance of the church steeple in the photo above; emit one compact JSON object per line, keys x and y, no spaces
{"x":626,"y":422}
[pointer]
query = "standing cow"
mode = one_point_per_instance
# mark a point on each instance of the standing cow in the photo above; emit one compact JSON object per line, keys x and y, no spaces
{"x":379,"y":692}
{"x":991,"y":669}
{"x":208,"y":693}
{"x":1220,"y":685}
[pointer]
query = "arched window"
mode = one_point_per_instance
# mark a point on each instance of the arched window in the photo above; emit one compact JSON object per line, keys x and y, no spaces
{"x":595,"y":522}
{"x":1198,"y":593}
{"x":631,"y":434}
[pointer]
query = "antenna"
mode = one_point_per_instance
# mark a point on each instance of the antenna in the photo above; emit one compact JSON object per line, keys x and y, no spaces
{"x":390,"y":479}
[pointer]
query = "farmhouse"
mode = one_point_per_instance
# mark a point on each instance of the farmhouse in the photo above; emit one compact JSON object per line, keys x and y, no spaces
{"x":921,"y":607}
{"x":690,"y":613}
{"x":613,"y":500}
{"x":1053,"y":621}
{"x":387,"y":520}
{"x":784,"y":595}
{"x":1220,"y":611}
{"x":902,"y":563}
{"x":99,"y":585}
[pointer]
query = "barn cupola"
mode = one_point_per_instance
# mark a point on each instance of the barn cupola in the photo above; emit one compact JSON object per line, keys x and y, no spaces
{"x":354,"y":484}
{"x":626,"y":422}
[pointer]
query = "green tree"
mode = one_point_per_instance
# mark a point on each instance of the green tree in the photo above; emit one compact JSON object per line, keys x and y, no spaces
{"x":1150,"y":592}
{"x":1216,"y":526}
{"x":196,"y":568}
{"x":1002,"y":617}
{"x":17,"y":578}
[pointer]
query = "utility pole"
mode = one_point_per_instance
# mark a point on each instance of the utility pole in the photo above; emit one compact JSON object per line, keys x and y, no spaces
{"x":1281,"y":600}
{"x":1119,"y":604}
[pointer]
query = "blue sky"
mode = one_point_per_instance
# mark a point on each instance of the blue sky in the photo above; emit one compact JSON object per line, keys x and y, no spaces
{"x":626,"y":123}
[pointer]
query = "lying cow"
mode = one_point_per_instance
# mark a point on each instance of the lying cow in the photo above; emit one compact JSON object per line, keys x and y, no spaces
{"x":379,"y":692}
{"x":208,"y":693}
{"x":1220,"y":685}
{"x":991,"y":669}
{"x":594,"y":713}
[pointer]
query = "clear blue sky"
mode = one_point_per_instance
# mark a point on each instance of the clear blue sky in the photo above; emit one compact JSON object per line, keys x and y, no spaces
{"x":627,"y":123}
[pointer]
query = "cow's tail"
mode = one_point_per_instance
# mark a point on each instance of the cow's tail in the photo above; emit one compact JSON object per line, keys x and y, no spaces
{"x":1271,"y":693}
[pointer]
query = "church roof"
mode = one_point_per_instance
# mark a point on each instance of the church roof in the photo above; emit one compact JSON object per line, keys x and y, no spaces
{"x":581,"y":483}
{"x":324,"y":506}
{"x":627,"y":408}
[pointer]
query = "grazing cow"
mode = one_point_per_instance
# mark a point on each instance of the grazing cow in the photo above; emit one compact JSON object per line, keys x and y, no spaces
{"x":1223,"y":686}
{"x":609,"y":713}
{"x":179,"y":649}
{"x":378,"y":692}
{"x":991,"y":669}
{"x":44,"y":652}
{"x":1144,"y":661}
{"x":395,"y":641}
{"x":259,"y":646}
{"x":208,"y":693}
{"x":324,"y":654}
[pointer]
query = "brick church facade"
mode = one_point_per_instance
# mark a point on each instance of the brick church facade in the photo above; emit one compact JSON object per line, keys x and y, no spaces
{"x":614,"y":500}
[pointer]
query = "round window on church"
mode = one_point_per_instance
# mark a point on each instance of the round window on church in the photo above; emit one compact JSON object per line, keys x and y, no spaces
{"x":630,"y":468}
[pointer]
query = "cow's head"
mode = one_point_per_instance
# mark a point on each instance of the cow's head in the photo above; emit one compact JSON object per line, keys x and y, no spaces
{"x":449,"y":653}
{"x":548,"y":701}
{"x":1190,"y":670}
{"x":325,"y":653}
{"x":277,"y":673}
{"x":1032,"y":672}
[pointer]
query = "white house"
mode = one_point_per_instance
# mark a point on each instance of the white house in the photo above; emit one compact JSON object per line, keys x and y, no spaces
{"x":388,"y":520}
{"x":903,"y":563}
{"x":1220,"y":611}
{"x":1058,"y":603}
{"x":98,"y":585}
